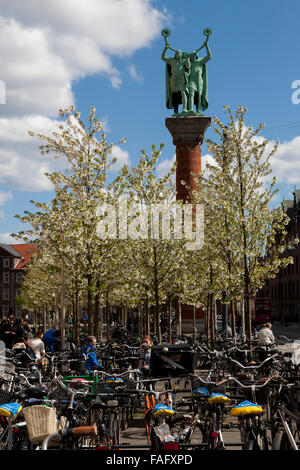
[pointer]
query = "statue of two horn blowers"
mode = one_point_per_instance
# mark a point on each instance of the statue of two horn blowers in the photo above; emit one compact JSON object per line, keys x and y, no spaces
{"x":186,"y":78}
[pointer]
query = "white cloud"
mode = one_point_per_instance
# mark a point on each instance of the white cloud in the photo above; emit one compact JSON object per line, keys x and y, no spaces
{"x":8,"y":239}
{"x":137,"y":77}
{"x":286,"y":162}
{"x":44,"y":50}
{"x":4,"y":197}
{"x":165,"y":166}
{"x":21,"y":165}
{"x":122,"y":156}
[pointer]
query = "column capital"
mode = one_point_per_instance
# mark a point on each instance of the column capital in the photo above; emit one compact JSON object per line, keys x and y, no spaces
{"x":188,"y":128}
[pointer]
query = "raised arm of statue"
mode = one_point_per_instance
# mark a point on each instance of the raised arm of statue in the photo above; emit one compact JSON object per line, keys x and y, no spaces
{"x":163,"y":55}
{"x":208,"y":55}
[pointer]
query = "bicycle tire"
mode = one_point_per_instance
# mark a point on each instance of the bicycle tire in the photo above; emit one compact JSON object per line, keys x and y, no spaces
{"x":251,"y":444}
{"x":114,"y":428}
{"x":155,"y":442}
{"x":277,"y":439}
{"x":149,"y":423}
{"x":280,"y":441}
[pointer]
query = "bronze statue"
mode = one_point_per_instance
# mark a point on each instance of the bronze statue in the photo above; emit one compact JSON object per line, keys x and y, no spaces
{"x":186,"y":78}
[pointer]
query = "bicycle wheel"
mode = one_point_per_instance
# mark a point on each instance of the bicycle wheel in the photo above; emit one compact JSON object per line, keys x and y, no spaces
{"x":277,"y":440}
{"x":280,"y":441}
{"x":251,"y":444}
{"x":155,"y":441}
{"x":149,"y":423}
{"x":114,"y":428}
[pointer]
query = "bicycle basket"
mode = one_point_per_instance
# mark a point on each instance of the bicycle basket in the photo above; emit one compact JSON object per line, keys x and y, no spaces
{"x":72,"y":379}
{"x":41,"y":421}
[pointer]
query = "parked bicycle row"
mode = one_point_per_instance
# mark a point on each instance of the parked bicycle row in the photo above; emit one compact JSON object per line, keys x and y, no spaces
{"x":186,"y":392}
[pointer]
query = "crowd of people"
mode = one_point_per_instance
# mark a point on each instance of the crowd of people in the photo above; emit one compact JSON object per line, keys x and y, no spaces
{"x":18,"y":335}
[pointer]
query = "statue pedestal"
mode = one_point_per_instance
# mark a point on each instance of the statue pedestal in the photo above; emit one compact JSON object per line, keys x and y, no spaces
{"x":188,"y":134}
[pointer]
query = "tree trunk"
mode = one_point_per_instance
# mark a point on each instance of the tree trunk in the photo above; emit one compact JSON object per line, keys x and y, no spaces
{"x":97,"y":307}
{"x":90,"y":306}
{"x":170,"y":319}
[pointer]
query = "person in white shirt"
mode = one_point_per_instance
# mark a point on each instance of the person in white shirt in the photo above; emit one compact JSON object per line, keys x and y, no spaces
{"x":37,"y":346}
{"x":265,"y":334}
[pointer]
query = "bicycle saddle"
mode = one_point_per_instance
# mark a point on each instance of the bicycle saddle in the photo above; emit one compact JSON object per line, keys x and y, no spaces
{"x":10,"y":410}
{"x":246,"y":408}
{"x":163,"y":410}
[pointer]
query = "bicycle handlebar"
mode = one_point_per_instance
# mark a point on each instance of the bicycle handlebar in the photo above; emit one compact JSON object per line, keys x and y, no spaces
{"x":252,"y":367}
{"x":72,"y":432}
{"x":253,"y":385}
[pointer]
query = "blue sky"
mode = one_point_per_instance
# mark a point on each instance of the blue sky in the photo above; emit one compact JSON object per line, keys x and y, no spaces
{"x":107,"y":54}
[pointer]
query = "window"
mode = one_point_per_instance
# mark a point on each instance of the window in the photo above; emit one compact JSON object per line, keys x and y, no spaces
{"x":19,"y":277}
{"x":5,"y":310}
{"x":6,"y":277}
{"x":6,"y":263}
{"x":5,"y":294}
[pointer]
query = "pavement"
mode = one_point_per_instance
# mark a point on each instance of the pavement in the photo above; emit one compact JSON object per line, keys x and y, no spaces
{"x":291,"y":332}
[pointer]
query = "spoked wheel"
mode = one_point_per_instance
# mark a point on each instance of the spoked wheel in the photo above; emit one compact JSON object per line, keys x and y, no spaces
{"x":149,"y":423}
{"x":155,"y":441}
{"x":251,"y":444}
{"x":114,"y":429}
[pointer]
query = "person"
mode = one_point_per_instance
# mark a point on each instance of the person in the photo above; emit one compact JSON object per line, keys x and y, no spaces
{"x":144,"y":353}
{"x":23,"y":323}
{"x":10,"y":331}
{"x":20,"y":343}
{"x":177,"y":72}
{"x":197,"y":82}
{"x":265,"y":334}
{"x":51,"y":340}
{"x":37,"y":345}
{"x":22,"y":351}
{"x":90,"y":354}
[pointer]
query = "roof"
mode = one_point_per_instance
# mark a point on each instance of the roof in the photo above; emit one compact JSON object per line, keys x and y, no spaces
{"x":11,"y":250}
{"x":26,"y":251}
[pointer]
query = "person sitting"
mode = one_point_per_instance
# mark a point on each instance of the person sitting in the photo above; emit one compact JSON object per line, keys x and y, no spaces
{"x":265,"y":334}
{"x":144,"y":353}
{"x":90,"y":354}
{"x":22,"y":351}
{"x":37,"y":346}
{"x":51,"y":340}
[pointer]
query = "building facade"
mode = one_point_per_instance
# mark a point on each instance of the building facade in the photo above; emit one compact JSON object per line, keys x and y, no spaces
{"x":13,"y":260}
{"x":284,"y":290}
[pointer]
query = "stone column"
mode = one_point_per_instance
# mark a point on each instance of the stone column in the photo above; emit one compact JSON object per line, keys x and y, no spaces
{"x":188,"y":134}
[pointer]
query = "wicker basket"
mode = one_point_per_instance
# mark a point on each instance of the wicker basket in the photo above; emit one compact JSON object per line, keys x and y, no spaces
{"x":41,"y":422}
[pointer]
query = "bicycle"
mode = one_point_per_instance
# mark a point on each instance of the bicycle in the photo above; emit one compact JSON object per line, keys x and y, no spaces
{"x":210,"y":406}
{"x":252,"y":426}
{"x":285,"y":417}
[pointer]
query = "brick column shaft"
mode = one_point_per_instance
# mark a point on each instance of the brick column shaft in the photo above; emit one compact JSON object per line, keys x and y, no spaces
{"x":188,"y":134}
